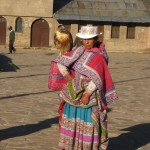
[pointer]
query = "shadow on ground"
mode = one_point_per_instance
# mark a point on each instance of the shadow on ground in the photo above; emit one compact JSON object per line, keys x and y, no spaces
{"x":24,"y":94}
{"x":51,"y":54}
{"x":26,"y":129}
{"x":137,"y":136}
{"x":6,"y":64}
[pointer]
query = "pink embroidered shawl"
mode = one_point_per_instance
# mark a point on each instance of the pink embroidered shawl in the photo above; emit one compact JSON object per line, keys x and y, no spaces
{"x":93,"y":66}
{"x":56,"y":81}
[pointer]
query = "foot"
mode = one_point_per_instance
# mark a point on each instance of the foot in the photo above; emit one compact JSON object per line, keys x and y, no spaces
{"x":14,"y":50}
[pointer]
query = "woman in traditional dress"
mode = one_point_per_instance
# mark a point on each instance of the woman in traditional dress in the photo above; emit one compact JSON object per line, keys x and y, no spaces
{"x":86,"y":90}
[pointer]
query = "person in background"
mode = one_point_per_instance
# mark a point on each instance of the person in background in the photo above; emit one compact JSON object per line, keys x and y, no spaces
{"x":11,"y":40}
{"x":87,"y":89}
{"x":100,"y":44}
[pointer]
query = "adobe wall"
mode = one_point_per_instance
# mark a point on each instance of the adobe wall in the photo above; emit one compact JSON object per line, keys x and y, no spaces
{"x":139,"y":44}
{"x":122,"y":44}
{"x":38,"y":8}
{"x":29,"y":11}
{"x":23,"y":39}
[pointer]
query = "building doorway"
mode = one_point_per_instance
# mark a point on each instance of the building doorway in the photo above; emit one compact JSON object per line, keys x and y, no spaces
{"x":40,"y":33}
{"x":2,"y":31}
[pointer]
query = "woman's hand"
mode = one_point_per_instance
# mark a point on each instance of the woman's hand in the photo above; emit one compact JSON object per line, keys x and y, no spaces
{"x":85,"y":98}
{"x":68,"y":77}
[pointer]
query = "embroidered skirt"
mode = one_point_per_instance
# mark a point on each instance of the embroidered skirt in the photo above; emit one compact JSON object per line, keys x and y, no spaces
{"x":77,"y":129}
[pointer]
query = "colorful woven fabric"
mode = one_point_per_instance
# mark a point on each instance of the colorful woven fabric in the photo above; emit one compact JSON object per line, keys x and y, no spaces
{"x":100,"y":48}
{"x":56,"y":81}
{"x":103,"y":52}
{"x":93,"y":66}
{"x":84,"y":127}
{"x":77,"y":130}
{"x":74,"y":89}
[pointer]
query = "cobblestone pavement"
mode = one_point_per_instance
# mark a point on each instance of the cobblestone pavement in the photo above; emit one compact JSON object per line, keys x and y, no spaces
{"x":28,"y":110}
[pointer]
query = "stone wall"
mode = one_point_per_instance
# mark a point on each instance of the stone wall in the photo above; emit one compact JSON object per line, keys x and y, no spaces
{"x":140,"y":43}
{"x":38,"y":8}
{"x":121,"y":44}
{"x":30,"y":11}
{"x":23,"y":38}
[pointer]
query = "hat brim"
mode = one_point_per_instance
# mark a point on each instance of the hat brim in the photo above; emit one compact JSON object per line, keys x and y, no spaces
{"x":81,"y":36}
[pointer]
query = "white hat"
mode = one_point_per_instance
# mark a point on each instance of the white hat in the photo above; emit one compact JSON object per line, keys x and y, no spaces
{"x":88,"y":32}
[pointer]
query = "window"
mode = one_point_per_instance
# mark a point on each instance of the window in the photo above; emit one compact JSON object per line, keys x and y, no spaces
{"x":18,"y":25}
{"x":130,"y":32}
{"x":115,"y":29}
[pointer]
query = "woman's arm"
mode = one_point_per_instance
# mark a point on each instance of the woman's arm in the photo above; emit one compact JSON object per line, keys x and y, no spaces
{"x":65,"y":72}
{"x":89,"y":90}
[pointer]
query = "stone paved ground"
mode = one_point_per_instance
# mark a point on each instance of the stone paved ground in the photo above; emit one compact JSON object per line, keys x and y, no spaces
{"x":28,"y":110}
